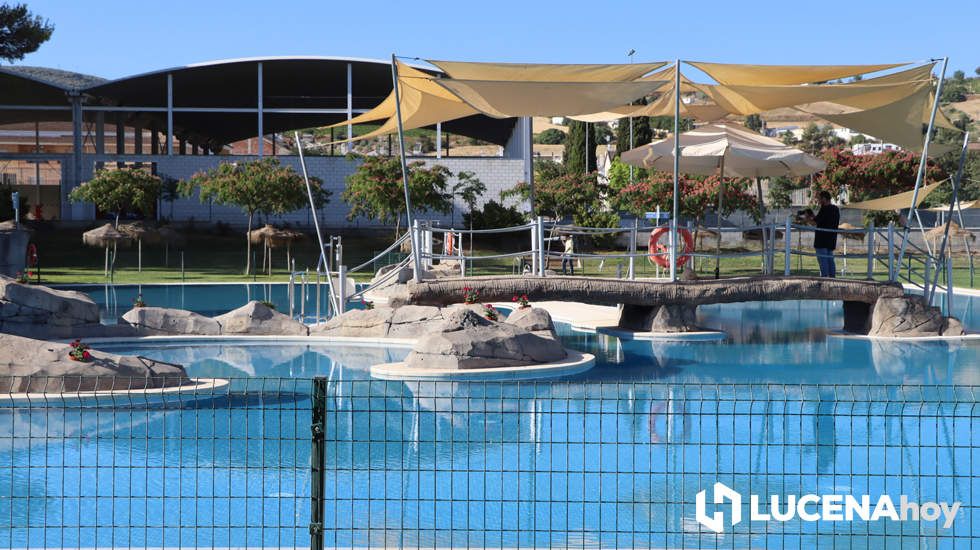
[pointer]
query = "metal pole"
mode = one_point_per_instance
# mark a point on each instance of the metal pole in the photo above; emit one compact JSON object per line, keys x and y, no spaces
{"x":949,"y":287}
{"x":417,"y":277}
{"x":529,"y":161}
{"x":534,"y":246}
{"x":721,"y":207}
{"x":342,"y":291}
{"x":871,"y":251}
{"x":633,"y":235}
{"x":350,"y":105}
{"x":941,"y":253}
{"x":438,"y":140}
{"x":261,"y":146}
{"x":923,"y":159}
{"x":542,"y":260}
{"x":891,"y":251}
{"x":318,"y":462}
{"x":677,"y":167}
{"x":322,"y":260}
{"x":788,"y":244}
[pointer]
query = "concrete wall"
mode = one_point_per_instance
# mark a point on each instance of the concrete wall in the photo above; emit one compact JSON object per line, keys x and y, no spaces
{"x":496,"y":173}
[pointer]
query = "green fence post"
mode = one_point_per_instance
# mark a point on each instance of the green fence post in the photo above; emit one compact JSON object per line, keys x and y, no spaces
{"x":317,"y":482}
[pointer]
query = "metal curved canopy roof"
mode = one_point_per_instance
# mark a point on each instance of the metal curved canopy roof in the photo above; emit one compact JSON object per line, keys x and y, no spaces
{"x":298,"y":84}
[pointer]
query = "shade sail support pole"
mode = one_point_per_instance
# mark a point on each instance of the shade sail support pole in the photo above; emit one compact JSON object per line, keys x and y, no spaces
{"x":416,"y":257}
{"x":528,"y":142}
{"x":941,"y":255}
{"x":923,"y":161}
{"x":677,"y":166}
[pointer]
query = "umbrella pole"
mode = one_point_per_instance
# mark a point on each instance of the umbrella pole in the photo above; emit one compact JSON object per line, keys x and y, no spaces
{"x":106,"y":270}
{"x":139,"y":261}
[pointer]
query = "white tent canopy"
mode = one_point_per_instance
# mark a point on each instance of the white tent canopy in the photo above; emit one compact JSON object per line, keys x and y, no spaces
{"x":742,"y":152}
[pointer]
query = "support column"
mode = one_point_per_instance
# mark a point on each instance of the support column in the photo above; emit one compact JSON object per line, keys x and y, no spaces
{"x":100,"y":132}
{"x":138,"y":142}
{"x":76,"y":150}
{"x":183,"y":145}
{"x":154,"y":140}
{"x":350,"y":105}
{"x":261,"y":133}
{"x":120,"y":138}
{"x":527,"y":143}
{"x":170,"y":114}
{"x":438,"y":140}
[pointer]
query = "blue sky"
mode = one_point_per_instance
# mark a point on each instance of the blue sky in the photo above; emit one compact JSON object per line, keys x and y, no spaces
{"x":114,"y":38}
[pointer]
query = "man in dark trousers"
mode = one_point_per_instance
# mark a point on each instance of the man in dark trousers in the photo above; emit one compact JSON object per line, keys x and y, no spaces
{"x":824,"y":241}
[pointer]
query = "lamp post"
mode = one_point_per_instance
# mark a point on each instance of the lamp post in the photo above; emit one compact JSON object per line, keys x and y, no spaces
{"x":630,"y":55}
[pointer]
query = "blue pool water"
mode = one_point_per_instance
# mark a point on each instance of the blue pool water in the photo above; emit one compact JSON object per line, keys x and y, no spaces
{"x":608,"y":458}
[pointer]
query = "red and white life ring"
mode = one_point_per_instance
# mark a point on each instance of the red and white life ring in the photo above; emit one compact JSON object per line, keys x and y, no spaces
{"x":657,"y":250}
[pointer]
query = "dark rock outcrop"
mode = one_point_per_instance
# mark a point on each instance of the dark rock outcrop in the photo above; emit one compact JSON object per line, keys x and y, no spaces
{"x":667,"y":318}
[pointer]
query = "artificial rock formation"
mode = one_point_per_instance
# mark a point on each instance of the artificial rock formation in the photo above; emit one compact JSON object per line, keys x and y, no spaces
{"x":466,"y":340}
{"x":260,"y":319}
{"x":154,"y":321}
{"x":29,"y":365}
{"x":39,"y":311}
{"x":382,"y":322}
{"x":666,"y":318}
{"x":911,"y":316}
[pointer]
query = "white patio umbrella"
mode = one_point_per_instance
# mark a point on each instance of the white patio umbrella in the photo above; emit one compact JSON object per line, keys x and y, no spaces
{"x":730,"y":150}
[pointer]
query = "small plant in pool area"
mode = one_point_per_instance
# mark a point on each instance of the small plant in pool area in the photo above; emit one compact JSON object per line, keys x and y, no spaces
{"x":521,"y":301}
{"x":470,"y":296}
{"x":22,"y":278}
{"x":367,"y":304}
{"x":268,"y":304}
{"x":79,"y":352}
{"x":138,"y":301}
{"x":490,"y":313}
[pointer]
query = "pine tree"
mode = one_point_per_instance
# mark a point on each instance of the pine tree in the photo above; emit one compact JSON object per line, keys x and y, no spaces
{"x":642,"y":132}
{"x":575,"y":149}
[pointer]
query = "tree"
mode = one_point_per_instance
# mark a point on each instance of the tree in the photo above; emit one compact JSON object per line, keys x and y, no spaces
{"x":578,"y":154}
{"x":664,"y":125}
{"x":815,"y":139}
{"x":753,"y":122}
{"x":375,"y":189}
{"x":551,"y":136}
{"x":169,"y":191}
{"x":470,"y":189}
{"x":21,"y":32}
{"x":120,"y":191}
{"x":257,"y":186}
{"x":699,"y":195}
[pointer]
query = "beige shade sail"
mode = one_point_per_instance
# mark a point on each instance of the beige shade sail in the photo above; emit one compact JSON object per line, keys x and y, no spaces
{"x":745,"y":153}
{"x":897,"y":201}
{"x":503,"y":99}
{"x":385,"y":109}
{"x":748,"y":100}
{"x":958,"y":206}
{"x":901,"y":122}
{"x":780,"y":75}
{"x":545,"y":72}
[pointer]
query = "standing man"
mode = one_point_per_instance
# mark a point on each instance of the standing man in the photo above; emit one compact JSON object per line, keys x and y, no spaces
{"x":825,"y":236}
{"x":567,"y":261}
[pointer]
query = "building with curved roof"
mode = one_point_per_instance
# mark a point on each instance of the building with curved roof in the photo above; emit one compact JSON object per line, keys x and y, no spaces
{"x":195,"y":110}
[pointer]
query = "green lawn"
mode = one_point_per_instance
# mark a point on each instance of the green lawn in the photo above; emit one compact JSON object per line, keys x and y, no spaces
{"x":214,"y":257}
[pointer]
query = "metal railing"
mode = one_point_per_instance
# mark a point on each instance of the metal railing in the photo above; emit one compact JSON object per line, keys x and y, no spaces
{"x":323,"y":463}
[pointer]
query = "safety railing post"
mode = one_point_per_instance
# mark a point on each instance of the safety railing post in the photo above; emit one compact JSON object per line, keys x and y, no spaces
{"x":949,"y":285}
{"x":460,"y":255}
{"x":871,"y":250}
{"x":416,"y":249}
{"x":542,"y":261}
{"x":534,"y":246}
{"x":291,"y":293}
{"x":788,"y":247}
{"x":302,"y":298}
{"x":927,"y":277}
{"x":428,"y":245}
{"x":318,"y":298}
{"x":891,"y":251}
{"x":772,"y":248}
{"x":342,"y":291}
{"x":632,"y":248}
{"x":318,"y":462}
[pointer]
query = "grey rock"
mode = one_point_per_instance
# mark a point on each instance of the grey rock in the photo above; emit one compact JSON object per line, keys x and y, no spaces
{"x":414,"y":321}
{"x":46,"y":305}
{"x":532,"y":319}
{"x":357,"y":322}
{"x":164,"y":321}
{"x":466,"y":340}
{"x":953,"y":327}
{"x":30,"y":365}
{"x":665,"y":318}
{"x":258,"y":318}
{"x":908,"y":316}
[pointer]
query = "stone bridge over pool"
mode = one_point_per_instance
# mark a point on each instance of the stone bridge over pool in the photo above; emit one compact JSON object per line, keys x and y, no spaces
{"x":670,"y":307}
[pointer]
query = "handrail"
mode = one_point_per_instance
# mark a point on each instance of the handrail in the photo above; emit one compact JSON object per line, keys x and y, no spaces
{"x":397,"y":242}
{"x":384,"y":278}
{"x":513,"y":229}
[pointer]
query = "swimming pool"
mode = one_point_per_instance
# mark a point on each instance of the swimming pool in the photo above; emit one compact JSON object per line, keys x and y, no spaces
{"x":612,"y":457}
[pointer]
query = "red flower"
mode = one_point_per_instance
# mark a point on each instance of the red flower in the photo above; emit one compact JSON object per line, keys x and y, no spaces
{"x":86,"y":355}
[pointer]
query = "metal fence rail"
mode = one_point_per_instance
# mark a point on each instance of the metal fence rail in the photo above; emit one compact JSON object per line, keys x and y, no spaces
{"x":286,"y":463}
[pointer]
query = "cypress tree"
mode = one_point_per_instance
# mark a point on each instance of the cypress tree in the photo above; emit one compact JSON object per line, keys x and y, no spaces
{"x":575,"y":149}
